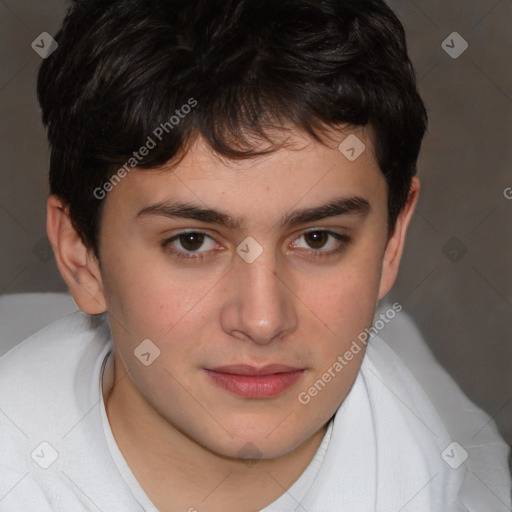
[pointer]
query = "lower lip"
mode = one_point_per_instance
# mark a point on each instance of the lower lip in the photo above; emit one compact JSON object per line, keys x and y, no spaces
{"x":252,"y":386}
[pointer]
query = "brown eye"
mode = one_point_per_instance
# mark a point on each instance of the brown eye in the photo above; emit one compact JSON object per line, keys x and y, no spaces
{"x":320,"y":243}
{"x":191,"y":241}
{"x":190,"y":245}
{"x":316,"y":239}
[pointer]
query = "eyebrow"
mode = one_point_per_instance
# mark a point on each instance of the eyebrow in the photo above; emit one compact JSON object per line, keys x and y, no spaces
{"x":354,"y":206}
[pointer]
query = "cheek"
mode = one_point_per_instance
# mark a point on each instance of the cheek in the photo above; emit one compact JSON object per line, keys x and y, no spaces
{"x":345,"y":304}
{"x":345,"y":299}
{"x":346,"y":314}
{"x":150,"y":296}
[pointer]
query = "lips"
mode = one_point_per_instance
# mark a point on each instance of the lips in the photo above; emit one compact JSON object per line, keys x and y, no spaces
{"x":244,"y":369}
{"x":253,"y":382}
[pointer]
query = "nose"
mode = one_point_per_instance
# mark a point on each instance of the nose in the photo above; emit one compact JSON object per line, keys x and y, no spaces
{"x":260,"y":305}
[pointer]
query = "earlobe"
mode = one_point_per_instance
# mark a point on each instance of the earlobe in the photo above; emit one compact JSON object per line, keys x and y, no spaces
{"x":396,"y":242}
{"x":77,"y":265}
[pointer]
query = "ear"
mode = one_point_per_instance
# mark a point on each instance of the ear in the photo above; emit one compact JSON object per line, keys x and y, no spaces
{"x":77,"y":264}
{"x":395,"y":245}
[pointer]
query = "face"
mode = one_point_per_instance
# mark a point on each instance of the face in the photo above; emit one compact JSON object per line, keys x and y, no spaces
{"x":274,"y":277}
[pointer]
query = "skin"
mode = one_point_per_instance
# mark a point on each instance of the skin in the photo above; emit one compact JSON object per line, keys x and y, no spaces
{"x":184,"y":437}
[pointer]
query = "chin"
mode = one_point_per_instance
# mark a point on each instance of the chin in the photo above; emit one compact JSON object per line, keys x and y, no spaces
{"x":254,"y":442}
{"x":253,"y":449}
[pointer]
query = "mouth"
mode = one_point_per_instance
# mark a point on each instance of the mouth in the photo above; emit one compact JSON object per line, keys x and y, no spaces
{"x":252,"y":382}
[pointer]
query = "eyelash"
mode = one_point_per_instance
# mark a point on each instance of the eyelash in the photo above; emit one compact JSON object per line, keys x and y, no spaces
{"x":199,"y":256}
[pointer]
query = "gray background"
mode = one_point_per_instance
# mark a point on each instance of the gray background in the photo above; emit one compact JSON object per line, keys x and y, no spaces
{"x":456,"y":276}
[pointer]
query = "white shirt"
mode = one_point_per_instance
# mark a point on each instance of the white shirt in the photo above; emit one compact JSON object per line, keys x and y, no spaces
{"x":386,"y":449}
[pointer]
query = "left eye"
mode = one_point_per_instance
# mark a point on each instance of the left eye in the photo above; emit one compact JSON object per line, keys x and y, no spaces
{"x":317,"y":239}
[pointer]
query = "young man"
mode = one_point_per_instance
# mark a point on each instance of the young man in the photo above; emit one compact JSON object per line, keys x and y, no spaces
{"x":231,"y":185}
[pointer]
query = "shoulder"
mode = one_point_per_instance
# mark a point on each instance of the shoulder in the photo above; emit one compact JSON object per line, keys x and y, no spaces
{"x":464,"y":436}
{"x":54,"y":454}
{"x":44,"y":361}
{"x":46,"y":383}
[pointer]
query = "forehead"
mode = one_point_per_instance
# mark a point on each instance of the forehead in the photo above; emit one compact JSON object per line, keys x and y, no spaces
{"x":302,"y":172}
